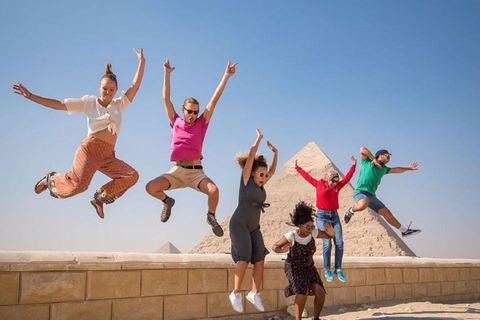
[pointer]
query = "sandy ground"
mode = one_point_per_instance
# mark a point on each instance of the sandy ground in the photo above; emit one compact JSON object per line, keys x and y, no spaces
{"x":400,"y":311}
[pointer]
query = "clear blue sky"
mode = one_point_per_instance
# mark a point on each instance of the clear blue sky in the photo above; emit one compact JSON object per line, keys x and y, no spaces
{"x":382,"y":74}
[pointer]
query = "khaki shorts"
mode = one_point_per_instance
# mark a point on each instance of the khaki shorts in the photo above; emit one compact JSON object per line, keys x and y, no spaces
{"x":180,"y":177}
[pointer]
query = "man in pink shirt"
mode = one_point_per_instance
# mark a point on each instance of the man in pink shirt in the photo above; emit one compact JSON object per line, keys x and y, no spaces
{"x":187,"y":139}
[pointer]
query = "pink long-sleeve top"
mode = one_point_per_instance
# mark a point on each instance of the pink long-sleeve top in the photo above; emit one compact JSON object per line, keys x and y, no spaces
{"x":327,"y":198}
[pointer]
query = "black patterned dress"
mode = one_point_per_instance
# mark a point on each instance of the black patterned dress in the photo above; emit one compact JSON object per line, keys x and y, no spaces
{"x":300,"y":269}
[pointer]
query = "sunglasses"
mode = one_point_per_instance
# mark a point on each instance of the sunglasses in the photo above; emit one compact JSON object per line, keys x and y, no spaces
{"x":189,"y":111}
{"x":334,"y":180}
{"x":310,"y":227}
{"x":261,"y":174}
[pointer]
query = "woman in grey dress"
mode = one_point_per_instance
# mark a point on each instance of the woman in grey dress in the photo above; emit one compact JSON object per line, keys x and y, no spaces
{"x":247,"y":241}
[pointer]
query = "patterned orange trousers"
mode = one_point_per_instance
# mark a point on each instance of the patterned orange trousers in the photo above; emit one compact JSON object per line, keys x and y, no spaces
{"x":94,"y":155}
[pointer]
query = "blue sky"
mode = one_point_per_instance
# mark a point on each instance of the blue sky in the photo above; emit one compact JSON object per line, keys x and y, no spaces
{"x":382,"y":74}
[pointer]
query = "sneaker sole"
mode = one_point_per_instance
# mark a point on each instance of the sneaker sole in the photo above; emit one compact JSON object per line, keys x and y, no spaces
{"x":218,"y":231}
{"x":254,"y":305}
{"x":411,"y":234}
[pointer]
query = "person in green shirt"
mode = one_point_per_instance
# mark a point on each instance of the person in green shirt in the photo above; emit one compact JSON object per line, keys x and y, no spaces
{"x":371,"y":173}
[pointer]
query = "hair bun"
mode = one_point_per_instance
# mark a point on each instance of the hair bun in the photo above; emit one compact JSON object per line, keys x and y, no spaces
{"x":108,"y":68}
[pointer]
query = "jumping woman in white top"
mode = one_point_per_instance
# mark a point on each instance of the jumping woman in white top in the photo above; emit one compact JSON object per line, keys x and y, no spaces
{"x":97,"y":150}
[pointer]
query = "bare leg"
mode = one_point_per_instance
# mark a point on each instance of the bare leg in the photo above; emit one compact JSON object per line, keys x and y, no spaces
{"x":360,"y":205}
{"x":157,"y":186}
{"x":300,"y":301}
{"x":384,"y":212}
{"x":210,"y":189}
{"x":257,"y":275}
{"x":240,"y":269}
{"x":319,"y":300}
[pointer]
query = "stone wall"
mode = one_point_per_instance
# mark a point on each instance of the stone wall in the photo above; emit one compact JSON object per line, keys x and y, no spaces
{"x":65,"y":285}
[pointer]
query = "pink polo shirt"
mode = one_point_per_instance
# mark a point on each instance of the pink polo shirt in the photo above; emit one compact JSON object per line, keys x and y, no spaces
{"x":187,"y":139}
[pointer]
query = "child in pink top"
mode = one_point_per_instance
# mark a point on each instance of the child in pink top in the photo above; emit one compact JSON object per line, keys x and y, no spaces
{"x":188,"y":134}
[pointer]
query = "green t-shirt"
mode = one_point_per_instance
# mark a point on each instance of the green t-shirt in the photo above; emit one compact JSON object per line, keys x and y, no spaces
{"x":370,"y":176}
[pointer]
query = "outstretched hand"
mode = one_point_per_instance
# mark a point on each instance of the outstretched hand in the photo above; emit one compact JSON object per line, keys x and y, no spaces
{"x":259,"y":134}
{"x":295,"y":162}
{"x":354,"y":161}
{"x":230,"y":70}
{"x":167,"y":68}
{"x":413,"y":165}
{"x":139,"y":54}
{"x":20,"y":89}
{"x":270,"y":145}
{"x":329,"y":229}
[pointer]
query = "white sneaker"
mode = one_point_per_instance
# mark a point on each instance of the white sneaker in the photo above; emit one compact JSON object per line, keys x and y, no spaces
{"x":255,"y":299}
{"x":236,"y":300}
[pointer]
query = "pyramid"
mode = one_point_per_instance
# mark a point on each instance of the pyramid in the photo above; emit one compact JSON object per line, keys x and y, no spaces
{"x":168,"y":248}
{"x":367,"y":234}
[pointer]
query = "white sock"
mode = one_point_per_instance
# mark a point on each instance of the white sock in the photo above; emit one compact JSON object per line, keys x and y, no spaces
{"x":403,"y":228}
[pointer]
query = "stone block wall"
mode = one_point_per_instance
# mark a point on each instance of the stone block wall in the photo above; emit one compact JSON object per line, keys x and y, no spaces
{"x":65,"y":285}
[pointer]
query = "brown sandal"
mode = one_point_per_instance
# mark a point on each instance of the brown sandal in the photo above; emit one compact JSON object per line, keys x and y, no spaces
{"x":37,"y":187}
{"x":98,"y":208}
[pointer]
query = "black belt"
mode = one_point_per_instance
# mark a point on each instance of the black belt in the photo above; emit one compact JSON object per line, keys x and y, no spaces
{"x":262,"y":206}
{"x":192,"y":167}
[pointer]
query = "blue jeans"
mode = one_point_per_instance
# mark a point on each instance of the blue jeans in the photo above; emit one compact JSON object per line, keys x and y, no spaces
{"x":332,"y":218}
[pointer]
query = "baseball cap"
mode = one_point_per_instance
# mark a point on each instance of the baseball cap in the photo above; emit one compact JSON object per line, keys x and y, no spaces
{"x":381,"y":152}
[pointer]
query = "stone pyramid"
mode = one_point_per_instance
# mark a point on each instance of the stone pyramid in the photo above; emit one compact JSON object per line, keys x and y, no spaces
{"x":367,"y":234}
{"x":168,"y":248}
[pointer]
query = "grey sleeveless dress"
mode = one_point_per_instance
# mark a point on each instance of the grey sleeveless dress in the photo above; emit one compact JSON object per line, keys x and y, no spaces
{"x":245,"y":234}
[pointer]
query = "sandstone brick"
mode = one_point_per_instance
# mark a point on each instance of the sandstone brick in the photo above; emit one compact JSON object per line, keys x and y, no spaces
{"x":26,"y":312}
{"x":460,"y":287}
{"x":145,"y":308}
{"x":439,"y":274}
{"x":9,"y":283}
{"x":471,"y":286}
{"x":283,"y":302}
{"x":343,"y":296}
{"x":419,"y":290}
{"x":410,"y":275}
{"x":328,"y":300}
{"x":218,"y":305}
{"x":207,"y":280}
{"x":434,"y":289}
{"x":403,"y":291}
{"x":247,"y":280}
{"x":356,"y":277}
{"x":274,"y":279}
{"x":45,"y":287}
{"x":448,"y":288}
{"x":464,"y":273}
{"x":365,"y":294}
{"x":385,"y":292}
{"x":175,"y":307}
{"x":164,"y":282}
{"x":425,"y":275}
{"x":475,"y":273}
{"x":269,"y":300}
{"x":113,"y":284}
{"x":375,"y":276}
{"x":101,"y":310}
{"x":453,"y":274}
{"x":393,"y":275}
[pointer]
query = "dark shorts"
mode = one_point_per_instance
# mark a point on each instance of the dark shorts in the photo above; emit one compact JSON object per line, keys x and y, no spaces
{"x":373,"y":202}
{"x":247,"y":246}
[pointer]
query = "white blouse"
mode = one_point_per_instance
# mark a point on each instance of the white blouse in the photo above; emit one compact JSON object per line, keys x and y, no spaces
{"x":98,"y":117}
{"x":293,"y":236}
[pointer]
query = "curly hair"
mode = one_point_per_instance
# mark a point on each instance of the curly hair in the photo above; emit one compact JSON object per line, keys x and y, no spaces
{"x":109,"y":74}
{"x":260,"y":161}
{"x":302,"y":213}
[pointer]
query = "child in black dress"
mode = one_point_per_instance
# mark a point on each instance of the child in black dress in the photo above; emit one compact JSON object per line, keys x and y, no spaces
{"x":300,"y":269}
